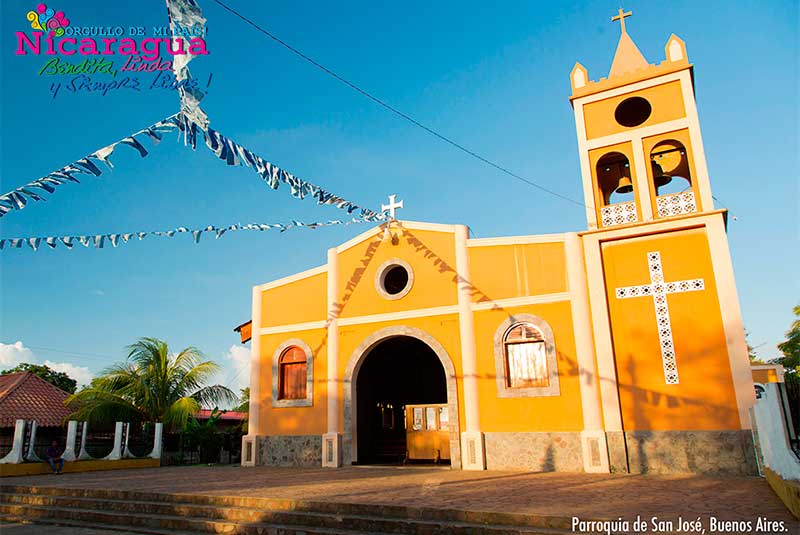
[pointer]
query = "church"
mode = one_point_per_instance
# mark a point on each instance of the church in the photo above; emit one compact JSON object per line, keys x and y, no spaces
{"x":619,"y":348}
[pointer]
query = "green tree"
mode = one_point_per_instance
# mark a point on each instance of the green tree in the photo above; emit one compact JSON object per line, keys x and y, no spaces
{"x":204,"y":437}
{"x":791,"y":346}
{"x":244,"y":401}
{"x":152,"y":386}
{"x":751,"y":351}
{"x":59,"y":379}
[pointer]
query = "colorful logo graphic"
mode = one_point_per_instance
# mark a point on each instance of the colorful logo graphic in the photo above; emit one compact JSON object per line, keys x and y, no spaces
{"x":46,"y":19}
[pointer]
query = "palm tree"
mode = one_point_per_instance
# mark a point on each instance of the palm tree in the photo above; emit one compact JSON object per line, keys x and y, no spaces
{"x":151,"y":386}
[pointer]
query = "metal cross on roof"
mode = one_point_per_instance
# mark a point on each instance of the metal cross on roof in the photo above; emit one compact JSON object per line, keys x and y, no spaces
{"x":392,"y":206}
{"x":621,"y":14}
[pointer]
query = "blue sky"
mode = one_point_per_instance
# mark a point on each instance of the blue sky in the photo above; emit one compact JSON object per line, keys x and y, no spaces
{"x":493,"y":76}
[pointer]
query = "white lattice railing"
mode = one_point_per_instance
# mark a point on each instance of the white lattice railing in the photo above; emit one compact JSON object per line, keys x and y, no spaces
{"x":676,"y":204}
{"x":619,"y":214}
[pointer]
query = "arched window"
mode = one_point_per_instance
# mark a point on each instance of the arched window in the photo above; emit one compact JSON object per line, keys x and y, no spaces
{"x":525,"y":357}
{"x":670,"y":165}
{"x":614,"y":178}
{"x":292,"y":374}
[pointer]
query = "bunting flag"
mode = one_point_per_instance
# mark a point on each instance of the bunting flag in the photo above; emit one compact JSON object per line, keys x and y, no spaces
{"x":88,"y":165}
{"x":223,"y":147}
{"x":187,"y":15}
{"x":191,"y":121}
{"x":235,"y":154}
{"x":98,"y":241}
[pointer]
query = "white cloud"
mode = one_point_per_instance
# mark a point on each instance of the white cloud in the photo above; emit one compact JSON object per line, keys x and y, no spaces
{"x":235,"y":365}
{"x":13,"y":354}
{"x":79,"y":373}
{"x":16,"y":353}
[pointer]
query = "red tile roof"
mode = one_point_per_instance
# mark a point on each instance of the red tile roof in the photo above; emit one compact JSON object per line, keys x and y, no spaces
{"x":205,"y":414}
{"x":27,"y":396}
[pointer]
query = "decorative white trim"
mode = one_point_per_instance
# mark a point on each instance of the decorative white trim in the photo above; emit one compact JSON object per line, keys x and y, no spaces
{"x":586,"y":168}
{"x":293,"y":278}
{"x":332,"y":384}
{"x":593,"y":436}
{"x":278,"y":403}
{"x":278,"y":329}
{"x":779,"y":370}
{"x":515,"y":240}
{"x":254,"y":415}
{"x":658,"y":290}
{"x":630,"y":88}
{"x":505,"y":391}
{"x":421,"y":313}
{"x":407,"y":314}
{"x":350,"y":377}
{"x":522,"y":301}
{"x":380,"y":278}
{"x":676,"y":204}
{"x":731,"y":319}
{"x":696,"y":140}
{"x":619,"y":214}
{"x":639,"y":133}
{"x":371,"y":233}
{"x":412,"y":225}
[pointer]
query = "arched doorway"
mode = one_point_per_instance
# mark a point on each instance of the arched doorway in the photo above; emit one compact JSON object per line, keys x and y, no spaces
{"x":397,"y":372}
{"x":392,"y":368}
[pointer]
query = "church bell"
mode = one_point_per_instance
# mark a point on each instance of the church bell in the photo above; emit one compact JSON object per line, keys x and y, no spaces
{"x":625,"y":185}
{"x":660,"y":178}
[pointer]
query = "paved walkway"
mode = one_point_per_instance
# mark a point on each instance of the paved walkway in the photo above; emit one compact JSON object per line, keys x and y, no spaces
{"x":588,"y":496}
{"x":41,"y":529}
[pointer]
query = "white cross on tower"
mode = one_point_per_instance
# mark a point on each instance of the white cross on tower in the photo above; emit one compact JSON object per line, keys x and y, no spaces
{"x":659,"y":289}
{"x":392,"y":206}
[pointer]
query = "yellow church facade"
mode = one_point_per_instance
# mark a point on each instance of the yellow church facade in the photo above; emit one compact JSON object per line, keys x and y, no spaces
{"x":619,"y":348}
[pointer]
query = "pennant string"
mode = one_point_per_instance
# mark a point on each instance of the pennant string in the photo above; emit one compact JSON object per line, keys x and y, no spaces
{"x":99,"y":240}
{"x":191,"y":121}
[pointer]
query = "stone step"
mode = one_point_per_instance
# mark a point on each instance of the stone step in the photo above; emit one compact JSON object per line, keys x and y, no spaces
{"x":160,"y":525}
{"x":9,"y":519}
{"x":235,"y":504}
{"x":209,"y":519}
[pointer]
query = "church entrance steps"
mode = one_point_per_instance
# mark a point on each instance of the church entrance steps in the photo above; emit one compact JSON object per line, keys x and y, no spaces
{"x":178,"y":514}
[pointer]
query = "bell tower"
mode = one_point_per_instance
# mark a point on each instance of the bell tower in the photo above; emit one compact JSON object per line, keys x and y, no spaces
{"x":673,"y":367}
{"x":639,"y":140}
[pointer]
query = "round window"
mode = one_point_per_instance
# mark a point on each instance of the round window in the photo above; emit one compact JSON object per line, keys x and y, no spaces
{"x":394,"y":278}
{"x":633,"y":111}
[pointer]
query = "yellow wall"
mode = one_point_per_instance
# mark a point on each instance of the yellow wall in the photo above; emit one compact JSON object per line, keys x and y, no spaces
{"x":765,"y":376}
{"x":296,"y":302}
{"x":704,"y":399}
{"x":545,"y":413}
{"x":294,"y":420}
{"x":666,"y":101}
{"x":504,"y":271}
{"x":359,"y":264}
{"x":498,"y":272}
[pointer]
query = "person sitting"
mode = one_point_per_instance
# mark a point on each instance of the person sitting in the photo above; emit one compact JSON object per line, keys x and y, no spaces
{"x":54,"y":458}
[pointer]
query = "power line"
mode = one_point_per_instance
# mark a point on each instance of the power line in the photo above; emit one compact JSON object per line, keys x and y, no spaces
{"x":392,"y":109}
{"x":69,"y":352}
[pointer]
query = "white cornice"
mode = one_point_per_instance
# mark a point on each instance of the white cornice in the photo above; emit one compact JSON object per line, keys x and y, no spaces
{"x":292,"y":278}
{"x":421,"y":313}
{"x":515,"y":240}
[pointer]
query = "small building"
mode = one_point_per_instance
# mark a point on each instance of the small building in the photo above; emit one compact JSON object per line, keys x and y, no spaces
{"x":616,"y":348}
{"x":227,"y":419}
{"x":26,"y":396}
